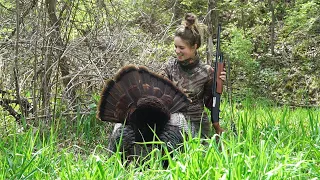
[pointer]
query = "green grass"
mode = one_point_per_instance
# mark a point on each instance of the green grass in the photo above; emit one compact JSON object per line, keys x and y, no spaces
{"x":273,"y":143}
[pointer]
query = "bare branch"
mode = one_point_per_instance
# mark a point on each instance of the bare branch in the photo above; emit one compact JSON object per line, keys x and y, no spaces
{"x":25,"y":13}
{"x":5,"y":7}
{"x":11,"y":110}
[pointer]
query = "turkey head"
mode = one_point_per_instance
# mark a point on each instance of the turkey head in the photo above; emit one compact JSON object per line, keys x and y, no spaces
{"x":141,"y":99}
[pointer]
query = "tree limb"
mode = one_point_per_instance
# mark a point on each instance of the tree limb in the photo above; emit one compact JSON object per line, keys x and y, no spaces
{"x":63,"y":60}
{"x":11,"y":111}
{"x":5,"y":7}
{"x":25,"y":13}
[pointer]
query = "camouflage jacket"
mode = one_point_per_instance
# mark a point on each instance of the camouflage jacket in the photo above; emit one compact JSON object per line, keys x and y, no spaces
{"x":195,"y":79}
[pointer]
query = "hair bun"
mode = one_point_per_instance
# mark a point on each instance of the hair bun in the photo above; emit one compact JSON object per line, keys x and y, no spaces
{"x":190,"y":19}
{"x":191,"y":30}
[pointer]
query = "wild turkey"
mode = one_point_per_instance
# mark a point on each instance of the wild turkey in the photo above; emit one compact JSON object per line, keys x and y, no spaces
{"x":142,"y":104}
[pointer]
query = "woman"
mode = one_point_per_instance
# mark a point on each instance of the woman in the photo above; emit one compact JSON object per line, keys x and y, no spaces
{"x":192,"y":76}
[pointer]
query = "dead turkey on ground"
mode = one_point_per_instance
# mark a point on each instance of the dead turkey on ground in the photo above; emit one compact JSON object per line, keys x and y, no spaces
{"x":142,"y":103}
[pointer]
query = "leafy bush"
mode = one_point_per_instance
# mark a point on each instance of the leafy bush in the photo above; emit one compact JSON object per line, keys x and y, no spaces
{"x":243,"y":66}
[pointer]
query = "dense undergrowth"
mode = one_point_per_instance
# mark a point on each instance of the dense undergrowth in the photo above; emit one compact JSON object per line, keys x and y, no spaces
{"x":272,"y":143}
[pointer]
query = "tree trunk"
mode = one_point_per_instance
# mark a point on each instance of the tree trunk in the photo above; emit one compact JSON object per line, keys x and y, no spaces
{"x":16,"y":68}
{"x":212,"y":23}
{"x":272,"y":26}
{"x":243,"y":18}
{"x":62,"y":59}
{"x":177,"y":12}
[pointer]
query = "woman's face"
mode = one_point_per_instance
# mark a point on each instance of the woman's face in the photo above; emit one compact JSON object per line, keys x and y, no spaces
{"x":183,"y":50}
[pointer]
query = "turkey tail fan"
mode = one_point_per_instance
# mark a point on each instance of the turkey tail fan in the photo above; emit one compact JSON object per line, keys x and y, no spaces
{"x":164,"y":89}
{"x":110,"y":98}
{"x":133,"y":85}
{"x":129,"y":79}
{"x":118,"y":96}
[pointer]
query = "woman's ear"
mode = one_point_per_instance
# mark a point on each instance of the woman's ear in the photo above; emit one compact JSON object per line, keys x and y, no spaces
{"x":195,"y":46}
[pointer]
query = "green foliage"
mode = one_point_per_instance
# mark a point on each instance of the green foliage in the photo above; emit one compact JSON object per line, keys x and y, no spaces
{"x":199,"y":7}
{"x":7,"y":124}
{"x":302,"y":16}
{"x":239,"y":48}
{"x":243,"y":66}
{"x":5,"y":10}
{"x":7,"y":4}
{"x":273,"y":143}
{"x":141,"y":31}
{"x":299,"y":27}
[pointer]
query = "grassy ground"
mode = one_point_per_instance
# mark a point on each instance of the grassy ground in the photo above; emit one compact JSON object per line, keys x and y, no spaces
{"x":273,"y":143}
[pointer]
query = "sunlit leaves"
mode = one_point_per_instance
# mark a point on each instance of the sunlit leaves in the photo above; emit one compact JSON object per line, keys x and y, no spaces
{"x":240,"y":48}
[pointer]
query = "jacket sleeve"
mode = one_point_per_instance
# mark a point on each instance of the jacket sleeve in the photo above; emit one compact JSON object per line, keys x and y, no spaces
{"x":207,"y":94}
{"x":165,"y":71}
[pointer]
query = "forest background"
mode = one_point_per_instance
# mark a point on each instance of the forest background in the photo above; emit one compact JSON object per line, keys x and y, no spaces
{"x":61,"y":52}
{"x":56,"y":55}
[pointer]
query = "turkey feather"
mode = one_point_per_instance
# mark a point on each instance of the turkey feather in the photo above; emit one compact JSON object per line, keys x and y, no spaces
{"x":143,"y":102}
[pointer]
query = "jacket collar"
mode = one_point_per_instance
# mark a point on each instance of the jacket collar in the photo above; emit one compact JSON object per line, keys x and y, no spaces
{"x":189,"y":63}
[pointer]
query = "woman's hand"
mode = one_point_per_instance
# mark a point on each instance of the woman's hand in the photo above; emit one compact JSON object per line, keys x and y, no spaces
{"x":223,"y":75}
{"x":217,"y":128}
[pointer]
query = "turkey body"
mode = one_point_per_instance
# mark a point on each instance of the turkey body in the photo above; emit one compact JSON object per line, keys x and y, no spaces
{"x":143,"y":105}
